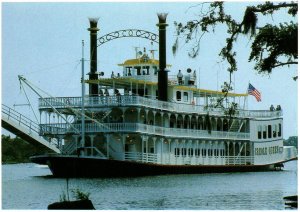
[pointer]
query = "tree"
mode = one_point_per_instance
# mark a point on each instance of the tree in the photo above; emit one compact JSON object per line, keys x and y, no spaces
{"x":270,"y":42}
{"x":272,"y":45}
{"x":16,"y":150}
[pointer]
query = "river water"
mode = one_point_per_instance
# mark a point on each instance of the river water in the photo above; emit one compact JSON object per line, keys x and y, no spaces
{"x":29,"y":186}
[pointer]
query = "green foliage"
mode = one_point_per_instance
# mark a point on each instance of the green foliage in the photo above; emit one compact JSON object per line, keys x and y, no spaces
{"x":291,"y":141}
{"x":79,"y":195}
{"x":16,"y":150}
{"x":270,"y":39}
{"x":272,"y":46}
{"x":63,"y":197}
{"x":250,"y":21}
{"x":274,"y":42}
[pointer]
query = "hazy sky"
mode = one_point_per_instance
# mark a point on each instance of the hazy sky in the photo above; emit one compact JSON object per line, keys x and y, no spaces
{"x":42,"y":42}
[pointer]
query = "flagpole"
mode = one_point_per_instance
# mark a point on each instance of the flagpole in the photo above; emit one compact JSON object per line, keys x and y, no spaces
{"x":199,"y":99}
{"x":82,"y":101}
{"x":247,"y":102}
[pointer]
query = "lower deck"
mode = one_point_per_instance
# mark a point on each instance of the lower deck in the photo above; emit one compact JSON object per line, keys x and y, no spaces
{"x":170,"y":151}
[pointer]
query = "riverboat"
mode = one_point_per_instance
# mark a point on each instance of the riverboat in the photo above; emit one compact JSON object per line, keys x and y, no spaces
{"x":144,"y":122}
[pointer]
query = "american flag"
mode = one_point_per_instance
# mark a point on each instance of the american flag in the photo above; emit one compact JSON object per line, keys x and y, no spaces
{"x":254,"y":92}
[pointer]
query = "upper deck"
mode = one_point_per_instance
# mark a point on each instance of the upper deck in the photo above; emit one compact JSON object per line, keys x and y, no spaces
{"x":138,"y":101}
{"x":137,"y":87}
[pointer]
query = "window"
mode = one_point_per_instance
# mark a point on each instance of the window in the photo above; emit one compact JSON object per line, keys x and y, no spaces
{"x":185,"y":96}
{"x":183,"y":151}
{"x":203,"y":152}
{"x":222,"y":152}
{"x":177,"y":152}
{"x":279,"y":130}
{"x":209,"y":152}
{"x":178,"y":95}
{"x":274,"y":131}
{"x":171,"y":124}
{"x":155,"y":70}
{"x":265,"y":132}
{"x":197,"y":152}
{"x":191,"y":152}
{"x":145,"y":70}
{"x":138,"y":70}
{"x":259,"y":132}
{"x":269,"y":131}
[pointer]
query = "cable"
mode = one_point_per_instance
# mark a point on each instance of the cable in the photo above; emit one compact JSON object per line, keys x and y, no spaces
{"x":29,"y":103}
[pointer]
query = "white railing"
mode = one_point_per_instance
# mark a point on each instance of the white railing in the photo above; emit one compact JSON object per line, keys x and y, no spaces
{"x":148,"y":78}
{"x":170,"y":159}
{"x":240,"y":160}
{"x":16,"y":122}
{"x":56,"y":129}
{"x":138,"y":157}
{"x":127,"y":100}
{"x":22,"y":120}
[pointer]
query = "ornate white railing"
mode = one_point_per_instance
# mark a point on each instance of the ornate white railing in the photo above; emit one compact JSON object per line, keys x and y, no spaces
{"x":127,"y":100}
{"x":141,"y":157}
{"x":171,"y":160}
{"x":56,"y":129}
{"x":149,"y":78}
{"x":232,"y":160}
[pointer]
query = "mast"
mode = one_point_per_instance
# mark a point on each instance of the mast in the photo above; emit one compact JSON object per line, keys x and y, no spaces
{"x":30,"y":85}
{"x":82,"y":102}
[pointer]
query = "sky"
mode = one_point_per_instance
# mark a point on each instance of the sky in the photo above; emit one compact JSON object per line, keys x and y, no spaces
{"x":42,"y":42}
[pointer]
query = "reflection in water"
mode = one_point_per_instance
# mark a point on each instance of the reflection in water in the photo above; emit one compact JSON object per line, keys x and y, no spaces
{"x":27,"y":186}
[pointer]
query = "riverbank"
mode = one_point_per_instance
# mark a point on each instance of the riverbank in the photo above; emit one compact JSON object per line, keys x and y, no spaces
{"x":16,"y":150}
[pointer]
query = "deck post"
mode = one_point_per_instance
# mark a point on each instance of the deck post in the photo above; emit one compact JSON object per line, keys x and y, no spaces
{"x":183,"y":148}
{"x":142,"y":148}
{"x":176,"y":147}
{"x":211,"y":152}
{"x":123,"y":143}
{"x":204,"y":147}
{"x":92,"y":137}
{"x":147,"y":150}
{"x":107,"y":145}
{"x":154,"y":147}
{"x":169,"y":141}
{"x":245,"y":153}
{"x":161,"y":151}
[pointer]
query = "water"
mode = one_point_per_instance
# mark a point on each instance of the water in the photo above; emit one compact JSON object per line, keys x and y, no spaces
{"x":28,"y":186}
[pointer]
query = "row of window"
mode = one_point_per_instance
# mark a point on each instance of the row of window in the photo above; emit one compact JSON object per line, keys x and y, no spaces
{"x":184,"y":152}
{"x":138,"y":70}
{"x":269,"y":131}
{"x":185,"y":96}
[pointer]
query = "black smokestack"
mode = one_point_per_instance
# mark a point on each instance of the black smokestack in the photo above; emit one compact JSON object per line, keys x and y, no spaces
{"x":93,"y":88}
{"x":162,"y":73}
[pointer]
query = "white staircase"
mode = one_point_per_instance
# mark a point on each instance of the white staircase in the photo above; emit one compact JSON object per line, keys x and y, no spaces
{"x":25,"y":128}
